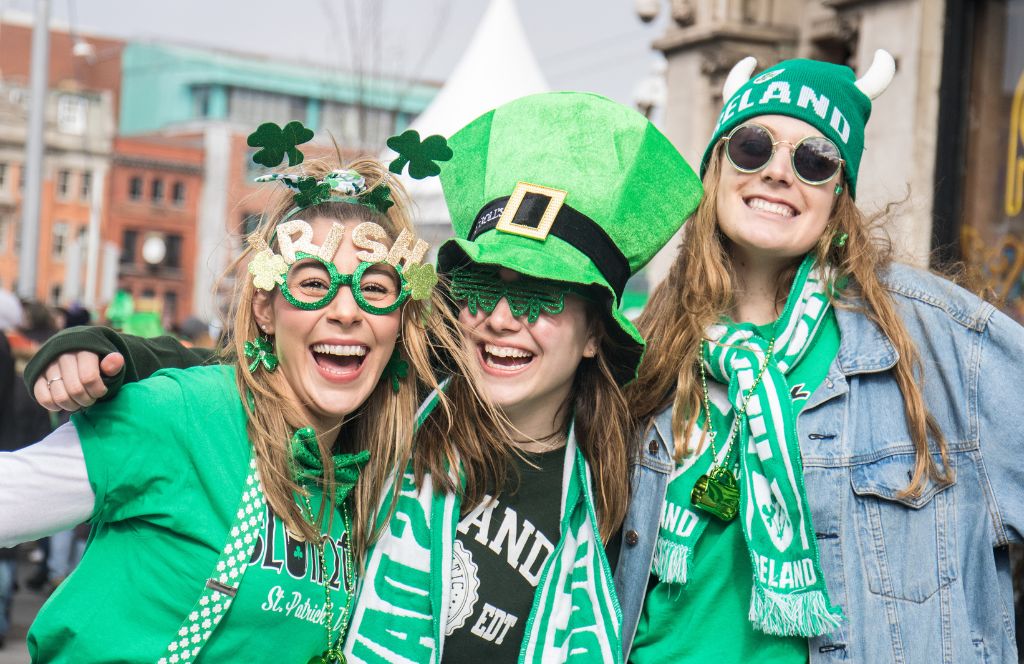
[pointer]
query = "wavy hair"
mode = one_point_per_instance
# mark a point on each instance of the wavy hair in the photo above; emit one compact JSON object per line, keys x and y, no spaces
{"x":699,"y":290}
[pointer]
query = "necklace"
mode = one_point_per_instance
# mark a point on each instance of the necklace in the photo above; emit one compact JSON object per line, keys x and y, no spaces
{"x":717,"y":491}
{"x":333,"y":654}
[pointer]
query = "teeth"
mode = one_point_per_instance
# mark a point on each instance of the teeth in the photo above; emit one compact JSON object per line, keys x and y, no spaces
{"x":332,"y":349}
{"x":767,"y":206}
{"x":505,"y":351}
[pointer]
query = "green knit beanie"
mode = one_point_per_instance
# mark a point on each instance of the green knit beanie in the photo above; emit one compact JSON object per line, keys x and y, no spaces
{"x":824,"y":95}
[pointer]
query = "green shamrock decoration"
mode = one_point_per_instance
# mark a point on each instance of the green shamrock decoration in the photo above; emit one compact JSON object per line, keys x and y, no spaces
{"x":379,"y":197}
{"x":260,"y":351}
{"x":277,"y":142}
{"x":311,"y":192}
{"x":419,"y":155}
{"x":420,"y":280}
{"x":396,"y":369}
{"x":298,"y":552}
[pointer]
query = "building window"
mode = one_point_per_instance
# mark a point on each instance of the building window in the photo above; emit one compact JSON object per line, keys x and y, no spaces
{"x":71,"y":114}
{"x":55,"y":293}
{"x":156,"y":191}
{"x":3,"y":176}
{"x":201,"y":101}
{"x":128,"y":241}
{"x":60,"y":239}
{"x":178,"y":194}
{"x":21,"y":178}
{"x":148,"y":294}
{"x":5,"y":232}
{"x":172,"y":258}
{"x":250,"y":223}
{"x":170,"y":305}
{"x":135,"y":188}
{"x":86,"y":185}
{"x":63,"y":183}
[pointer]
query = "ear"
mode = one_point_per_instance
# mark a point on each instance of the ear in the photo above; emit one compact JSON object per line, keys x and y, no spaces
{"x":590,"y":348}
{"x":263,"y":310}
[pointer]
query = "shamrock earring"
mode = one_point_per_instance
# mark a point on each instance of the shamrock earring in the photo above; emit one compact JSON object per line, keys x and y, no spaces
{"x":396,"y":369}
{"x":839,"y":239}
{"x":839,"y":189}
{"x":261,"y":351}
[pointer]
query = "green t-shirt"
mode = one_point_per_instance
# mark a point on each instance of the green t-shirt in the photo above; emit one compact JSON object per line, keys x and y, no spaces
{"x":706,"y":620}
{"x":167,"y":460}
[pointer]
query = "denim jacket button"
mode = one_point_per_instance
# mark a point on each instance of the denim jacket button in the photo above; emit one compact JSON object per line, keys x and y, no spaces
{"x":652,"y":447}
{"x":632,"y":537}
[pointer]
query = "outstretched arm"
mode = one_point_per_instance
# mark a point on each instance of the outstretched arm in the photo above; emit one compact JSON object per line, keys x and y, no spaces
{"x":82,"y":365}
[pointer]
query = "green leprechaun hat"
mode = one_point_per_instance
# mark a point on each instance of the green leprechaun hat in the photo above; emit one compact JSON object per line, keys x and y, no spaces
{"x":571,"y":187}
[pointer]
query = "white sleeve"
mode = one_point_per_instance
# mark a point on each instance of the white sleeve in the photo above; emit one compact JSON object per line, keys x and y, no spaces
{"x":44,"y":488}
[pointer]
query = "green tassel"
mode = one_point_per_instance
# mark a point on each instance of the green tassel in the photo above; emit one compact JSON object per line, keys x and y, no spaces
{"x":671,"y":560}
{"x":795,"y":614}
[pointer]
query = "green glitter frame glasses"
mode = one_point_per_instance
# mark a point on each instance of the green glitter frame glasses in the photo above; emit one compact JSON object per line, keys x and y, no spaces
{"x":482,"y":288}
{"x":311,"y":283}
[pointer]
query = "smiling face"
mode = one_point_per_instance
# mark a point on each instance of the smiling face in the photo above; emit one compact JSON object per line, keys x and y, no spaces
{"x":528,"y":368}
{"x":333,"y":357}
{"x":771,"y":216}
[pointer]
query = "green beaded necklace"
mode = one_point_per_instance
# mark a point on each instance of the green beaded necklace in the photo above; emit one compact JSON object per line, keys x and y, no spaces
{"x":332,"y":654}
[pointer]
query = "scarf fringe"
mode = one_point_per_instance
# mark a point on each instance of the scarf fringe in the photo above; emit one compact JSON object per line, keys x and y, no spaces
{"x":796,"y":614}
{"x":671,"y":561}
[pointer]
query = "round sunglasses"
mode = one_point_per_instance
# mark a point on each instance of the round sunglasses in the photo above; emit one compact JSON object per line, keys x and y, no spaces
{"x":312,"y":283}
{"x":751,"y":146}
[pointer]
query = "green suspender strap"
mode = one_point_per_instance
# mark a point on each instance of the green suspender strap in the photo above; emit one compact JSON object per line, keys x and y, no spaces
{"x":222,"y":584}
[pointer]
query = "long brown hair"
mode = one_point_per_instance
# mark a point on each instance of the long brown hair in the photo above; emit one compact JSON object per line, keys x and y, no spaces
{"x":384,"y":424}
{"x":602,"y":426}
{"x":699,"y":289}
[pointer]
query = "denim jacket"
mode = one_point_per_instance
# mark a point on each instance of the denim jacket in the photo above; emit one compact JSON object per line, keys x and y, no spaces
{"x":920,"y":580}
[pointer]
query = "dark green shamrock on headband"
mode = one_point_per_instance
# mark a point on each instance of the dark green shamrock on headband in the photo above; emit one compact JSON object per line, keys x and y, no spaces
{"x":419,"y":155}
{"x":311,"y":192}
{"x":277,"y":142}
{"x":379,"y":197}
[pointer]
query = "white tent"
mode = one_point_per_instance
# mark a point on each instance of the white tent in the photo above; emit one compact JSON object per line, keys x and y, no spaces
{"x":497,"y":67}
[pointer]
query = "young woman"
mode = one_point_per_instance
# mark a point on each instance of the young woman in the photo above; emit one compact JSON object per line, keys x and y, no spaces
{"x":845,"y":478}
{"x":503,"y":560}
{"x":198,"y":480}
{"x":545,"y":241}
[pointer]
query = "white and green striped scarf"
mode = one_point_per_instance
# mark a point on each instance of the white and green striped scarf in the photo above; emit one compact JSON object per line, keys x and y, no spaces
{"x":789,"y":595}
{"x":402,"y":606}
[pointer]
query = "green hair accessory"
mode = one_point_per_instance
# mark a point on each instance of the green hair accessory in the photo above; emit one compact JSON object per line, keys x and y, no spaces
{"x":278,"y":143}
{"x":396,"y":369}
{"x":420,"y":155}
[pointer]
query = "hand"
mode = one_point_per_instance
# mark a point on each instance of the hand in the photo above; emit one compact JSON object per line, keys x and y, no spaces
{"x":75,"y":380}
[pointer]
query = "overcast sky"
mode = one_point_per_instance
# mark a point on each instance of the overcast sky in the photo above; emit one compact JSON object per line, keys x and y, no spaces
{"x":595,"y":45}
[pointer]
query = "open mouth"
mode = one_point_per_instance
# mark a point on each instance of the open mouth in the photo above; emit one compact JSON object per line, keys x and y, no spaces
{"x":339,"y":360}
{"x":505,"y":358}
{"x":771,"y":207}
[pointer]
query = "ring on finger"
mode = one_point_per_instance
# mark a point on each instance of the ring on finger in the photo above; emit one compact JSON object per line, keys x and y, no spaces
{"x":53,"y":380}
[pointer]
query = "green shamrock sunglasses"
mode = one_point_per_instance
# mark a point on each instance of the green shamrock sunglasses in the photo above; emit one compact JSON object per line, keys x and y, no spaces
{"x":483,"y":288}
{"x":312,"y":283}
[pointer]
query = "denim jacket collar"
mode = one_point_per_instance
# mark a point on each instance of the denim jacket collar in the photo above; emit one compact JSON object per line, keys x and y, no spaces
{"x":864,"y":348}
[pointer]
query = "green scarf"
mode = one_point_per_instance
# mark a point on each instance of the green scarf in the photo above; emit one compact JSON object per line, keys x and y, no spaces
{"x":402,"y":605}
{"x":789,"y":594}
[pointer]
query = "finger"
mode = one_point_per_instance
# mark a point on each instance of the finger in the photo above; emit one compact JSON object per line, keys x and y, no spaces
{"x":42,"y":394}
{"x":55,"y":384}
{"x":88,"y":364}
{"x":112,"y":364}
{"x":72,"y":383}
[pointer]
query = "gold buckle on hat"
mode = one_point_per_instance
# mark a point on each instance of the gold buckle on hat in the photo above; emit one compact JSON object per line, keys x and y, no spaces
{"x":556,"y":197}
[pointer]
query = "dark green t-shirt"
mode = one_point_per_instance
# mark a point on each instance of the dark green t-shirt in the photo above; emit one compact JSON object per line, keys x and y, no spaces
{"x":500,"y":550}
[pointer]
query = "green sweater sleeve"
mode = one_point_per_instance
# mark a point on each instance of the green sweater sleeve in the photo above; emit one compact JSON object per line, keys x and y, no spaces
{"x":142,"y":357}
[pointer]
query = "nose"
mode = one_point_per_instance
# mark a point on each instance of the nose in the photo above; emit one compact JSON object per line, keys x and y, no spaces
{"x":780,"y":167}
{"x":502,"y":319}
{"x":343,"y":308}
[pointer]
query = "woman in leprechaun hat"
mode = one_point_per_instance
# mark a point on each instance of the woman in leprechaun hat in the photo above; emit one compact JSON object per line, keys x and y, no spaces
{"x":231,"y":505}
{"x":551,"y":219}
{"x":845,"y":452}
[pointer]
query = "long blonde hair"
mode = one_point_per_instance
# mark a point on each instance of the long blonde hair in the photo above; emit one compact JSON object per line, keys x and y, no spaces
{"x":699,"y":289}
{"x":384,"y":424}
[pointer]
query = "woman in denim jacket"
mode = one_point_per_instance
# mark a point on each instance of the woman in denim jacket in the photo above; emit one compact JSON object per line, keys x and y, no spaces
{"x":830,"y":468}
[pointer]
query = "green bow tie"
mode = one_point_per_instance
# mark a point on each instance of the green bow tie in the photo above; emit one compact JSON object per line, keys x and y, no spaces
{"x":309,"y":466}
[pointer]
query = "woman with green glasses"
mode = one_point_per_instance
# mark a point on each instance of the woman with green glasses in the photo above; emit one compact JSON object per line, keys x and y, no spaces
{"x":231,"y":505}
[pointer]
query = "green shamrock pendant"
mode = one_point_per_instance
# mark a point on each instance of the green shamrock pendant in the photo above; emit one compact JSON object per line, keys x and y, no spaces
{"x":717,"y":493}
{"x":332,"y":656}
